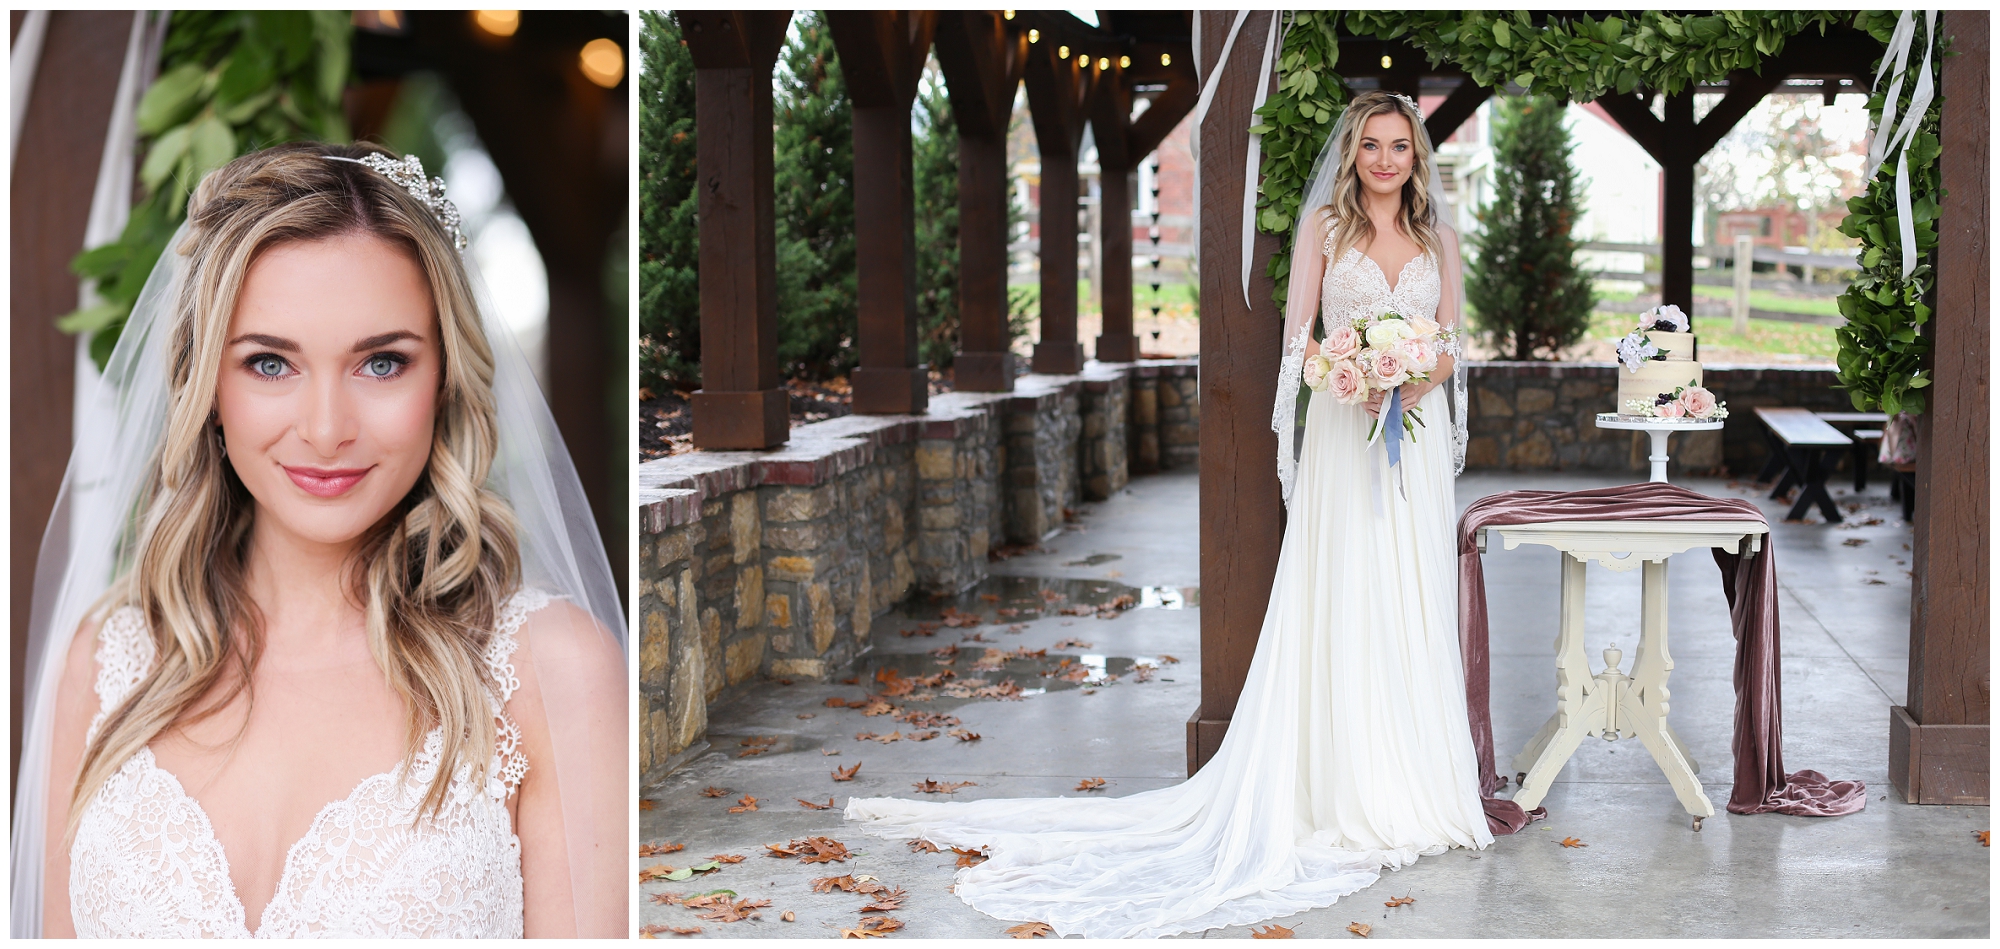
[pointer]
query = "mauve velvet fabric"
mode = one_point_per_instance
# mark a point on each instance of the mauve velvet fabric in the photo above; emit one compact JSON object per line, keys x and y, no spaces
{"x":1751,"y":586}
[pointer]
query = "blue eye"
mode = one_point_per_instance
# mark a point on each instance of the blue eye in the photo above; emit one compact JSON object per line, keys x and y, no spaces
{"x":384,"y":366}
{"x":268,"y":366}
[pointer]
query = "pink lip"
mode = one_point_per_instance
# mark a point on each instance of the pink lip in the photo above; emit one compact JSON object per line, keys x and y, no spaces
{"x":326,"y":482}
{"x":1379,"y":174}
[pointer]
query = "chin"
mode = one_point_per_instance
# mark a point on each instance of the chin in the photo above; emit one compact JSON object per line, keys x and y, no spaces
{"x":334,"y":525}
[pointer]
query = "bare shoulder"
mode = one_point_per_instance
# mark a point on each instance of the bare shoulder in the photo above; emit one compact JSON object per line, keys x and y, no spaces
{"x":80,"y":660}
{"x":561,"y":648}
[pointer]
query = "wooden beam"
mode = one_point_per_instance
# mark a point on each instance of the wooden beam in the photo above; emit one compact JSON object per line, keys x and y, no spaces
{"x":741,"y":404}
{"x":55,"y":174}
{"x":1454,"y":110}
{"x":1165,"y":114}
{"x":1059,"y":95}
{"x":1121,"y":145}
{"x":881,"y":57}
{"x":982,"y":62}
{"x":1242,"y":515}
{"x":1943,"y":730}
{"x":1746,"y":89}
{"x":1633,"y":112}
{"x":1677,"y":160}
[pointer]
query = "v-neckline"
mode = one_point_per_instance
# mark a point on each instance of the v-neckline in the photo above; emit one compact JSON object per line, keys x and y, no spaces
{"x":207,"y":830}
{"x":1400,"y":271}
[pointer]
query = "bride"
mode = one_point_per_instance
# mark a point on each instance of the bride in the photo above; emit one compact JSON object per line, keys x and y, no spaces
{"x":332,"y":550}
{"x":1350,"y":749}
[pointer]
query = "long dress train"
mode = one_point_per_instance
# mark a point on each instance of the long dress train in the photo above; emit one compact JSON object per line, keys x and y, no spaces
{"x":1349,"y":750}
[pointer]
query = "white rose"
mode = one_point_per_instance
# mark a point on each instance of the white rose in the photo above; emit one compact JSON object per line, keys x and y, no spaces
{"x":1386,"y":333}
{"x":1424,"y":327}
{"x":1316,"y":368}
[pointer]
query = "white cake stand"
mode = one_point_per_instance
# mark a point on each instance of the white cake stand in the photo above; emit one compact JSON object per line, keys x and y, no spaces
{"x":1659,"y":429}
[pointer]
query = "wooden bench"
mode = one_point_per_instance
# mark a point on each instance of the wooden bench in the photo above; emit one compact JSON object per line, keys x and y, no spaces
{"x":1858,"y":456}
{"x":1800,"y":442}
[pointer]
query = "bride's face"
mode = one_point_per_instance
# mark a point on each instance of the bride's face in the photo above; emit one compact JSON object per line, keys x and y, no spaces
{"x":329,"y":382}
{"x":1388,"y":152}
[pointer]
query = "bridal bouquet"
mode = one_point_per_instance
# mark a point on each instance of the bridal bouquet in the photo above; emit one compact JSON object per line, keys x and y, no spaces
{"x":1379,"y":353}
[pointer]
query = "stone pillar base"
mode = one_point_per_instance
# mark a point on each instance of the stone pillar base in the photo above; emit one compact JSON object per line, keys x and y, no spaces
{"x":983,"y":372}
{"x":1119,"y":348}
{"x":1938,"y":764}
{"x":1056,"y":358}
{"x":897,"y":391}
{"x":741,"y":421}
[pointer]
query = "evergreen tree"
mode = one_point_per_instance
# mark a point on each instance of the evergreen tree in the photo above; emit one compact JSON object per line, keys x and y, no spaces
{"x":1525,"y":293}
{"x":935,"y":174}
{"x":817,"y":314}
{"x":669,"y":289}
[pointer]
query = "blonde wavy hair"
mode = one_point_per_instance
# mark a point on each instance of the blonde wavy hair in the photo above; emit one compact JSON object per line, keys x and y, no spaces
{"x":430,"y":575}
{"x":1347,"y":216}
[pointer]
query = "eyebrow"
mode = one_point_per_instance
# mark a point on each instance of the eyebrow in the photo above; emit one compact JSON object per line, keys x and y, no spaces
{"x":385,"y":339}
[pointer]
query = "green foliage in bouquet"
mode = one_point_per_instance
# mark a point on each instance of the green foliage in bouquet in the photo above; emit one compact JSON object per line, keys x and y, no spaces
{"x":669,"y":286}
{"x":1523,"y":289}
{"x":1883,"y":351}
{"x":231,"y":82}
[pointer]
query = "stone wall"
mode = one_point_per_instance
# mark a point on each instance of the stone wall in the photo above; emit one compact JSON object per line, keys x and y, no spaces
{"x":1165,"y":416}
{"x":1532,"y":416}
{"x":768,"y":565}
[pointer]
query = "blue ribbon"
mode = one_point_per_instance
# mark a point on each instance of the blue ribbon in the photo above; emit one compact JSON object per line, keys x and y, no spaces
{"x":1394,"y":421}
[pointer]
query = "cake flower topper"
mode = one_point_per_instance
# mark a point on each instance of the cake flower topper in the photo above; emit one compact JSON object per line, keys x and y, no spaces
{"x":408,"y":174}
{"x":1665,"y":319}
{"x":1635,"y":349}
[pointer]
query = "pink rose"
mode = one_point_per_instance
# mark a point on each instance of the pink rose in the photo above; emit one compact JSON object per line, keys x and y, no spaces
{"x":1391,"y":368}
{"x":1699,"y":402}
{"x":1669,"y":410}
{"x":1346,"y":384}
{"x":1424,"y":326}
{"x":1419,"y":353}
{"x":1342,"y":342}
{"x":1315,"y":371}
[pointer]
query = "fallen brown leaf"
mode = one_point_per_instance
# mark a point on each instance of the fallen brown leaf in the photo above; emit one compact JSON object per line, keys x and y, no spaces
{"x":963,"y":735}
{"x":829,"y":752}
{"x":1030,"y":931}
{"x":846,"y":774}
{"x":811,"y":850}
{"x":885,"y":902}
{"x":655,"y":850}
{"x":1091,"y":784}
{"x":1573,"y":842}
{"x":705,"y":792}
{"x":667,"y":899}
{"x":1275,"y":931}
{"x":1400,"y":901}
{"x":727,"y":858}
{"x":747,"y":752}
{"x":827,"y":884}
{"x":710,"y":899}
{"x":735,"y":912}
{"x":884,"y":739}
{"x":923,"y":846}
{"x":1168,"y":660}
{"x":649,"y":931}
{"x":743,"y":804}
{"x":655,"y":872}
{"x":815,"y":807}
{"x":1985,"y":837}
{"x":756,"y":742}
{"x":872,"y":926}
{"x":929,"y":786}
{"x":969,"y":858}
{"x":808,"y":715}
{"x":1359,"y":929}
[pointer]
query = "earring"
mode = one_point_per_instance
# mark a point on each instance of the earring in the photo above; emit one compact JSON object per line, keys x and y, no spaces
{"x":220,"y":443}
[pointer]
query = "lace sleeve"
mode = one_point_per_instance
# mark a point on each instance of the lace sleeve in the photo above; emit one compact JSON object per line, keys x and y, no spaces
{"x":124,"y":656}
{"x":1451,"y":310}
{"x":1302,"y":299}
{"x":499,"y":656}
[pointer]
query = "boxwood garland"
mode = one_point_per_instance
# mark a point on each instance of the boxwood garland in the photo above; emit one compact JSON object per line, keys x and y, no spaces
{"x":1580,"y":59}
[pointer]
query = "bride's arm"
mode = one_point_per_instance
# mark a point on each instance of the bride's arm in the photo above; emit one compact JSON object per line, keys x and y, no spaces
{"x":1302,"y":290}
{"x":76,"y":703}
{"x":1448,"y":313}
{"x":576,"y":804}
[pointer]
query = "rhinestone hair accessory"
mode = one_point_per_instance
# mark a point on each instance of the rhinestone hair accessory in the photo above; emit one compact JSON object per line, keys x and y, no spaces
{"x":1412,"y":103}
{"x":408,"y":174}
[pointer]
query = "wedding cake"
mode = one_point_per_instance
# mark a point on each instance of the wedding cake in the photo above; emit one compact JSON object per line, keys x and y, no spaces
{"x":1656,"y":360}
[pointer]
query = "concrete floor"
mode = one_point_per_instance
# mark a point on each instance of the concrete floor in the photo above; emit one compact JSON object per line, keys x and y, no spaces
{"x":1892,"y":870}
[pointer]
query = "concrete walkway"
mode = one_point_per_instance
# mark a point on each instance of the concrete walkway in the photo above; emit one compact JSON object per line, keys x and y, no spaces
{"x":1892,"y":870}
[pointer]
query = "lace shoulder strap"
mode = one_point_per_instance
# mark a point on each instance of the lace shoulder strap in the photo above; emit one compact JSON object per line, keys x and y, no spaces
{"x":499,"y":656}
{"x":124,"y":656}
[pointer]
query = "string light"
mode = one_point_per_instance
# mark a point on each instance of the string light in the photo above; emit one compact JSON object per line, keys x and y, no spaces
{"x":1166,"y":60}
{"x":1124,"y":62}
{"x":602,"y":62}
{"x":496,"y":22}
{"x":1034,"y":36}
{"x":1103,"y":63}
{"x":1062,"y":52}
{"x":1386,"y":61}
{"x":1009,"y":14}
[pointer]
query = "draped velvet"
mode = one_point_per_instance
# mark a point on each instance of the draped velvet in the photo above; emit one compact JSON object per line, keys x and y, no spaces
{"x":1750,"y":583}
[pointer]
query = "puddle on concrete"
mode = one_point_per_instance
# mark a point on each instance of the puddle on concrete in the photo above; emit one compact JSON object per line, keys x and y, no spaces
{"x":1011,"y":601}
{"x":1094,"y":559}
{"x":974,"y":667}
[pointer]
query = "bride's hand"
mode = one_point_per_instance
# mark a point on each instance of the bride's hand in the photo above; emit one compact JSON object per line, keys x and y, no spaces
{"x":1374,"y":403}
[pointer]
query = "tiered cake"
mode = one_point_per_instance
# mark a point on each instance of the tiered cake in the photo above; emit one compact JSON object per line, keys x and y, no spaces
{"x":1657,"y":359}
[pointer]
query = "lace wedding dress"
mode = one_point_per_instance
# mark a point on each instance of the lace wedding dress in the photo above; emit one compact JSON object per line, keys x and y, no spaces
{"x":146,"y":863}
{"x":1349,"y":750}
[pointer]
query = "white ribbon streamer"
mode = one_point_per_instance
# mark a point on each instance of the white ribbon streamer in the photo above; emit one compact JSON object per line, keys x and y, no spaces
{"x":1897,"y":143}
{"x":1255,"y":153}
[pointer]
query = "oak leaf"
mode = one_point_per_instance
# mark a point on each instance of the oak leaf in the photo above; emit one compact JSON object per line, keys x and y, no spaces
{"x":846,"y":774}
{"x":735,"y":912}
{"x":1359,"y":929}
{"x":667,"y":899}
{"x":1400,"y":901}
{"x":929,"y":786}
{"x":717,"y":898}
{"x":923,"y":846}
{"x":1985,"y":837}
{"x":886,"y":901}
{"x":963,"y":735}
{"x":1091,"y":784}
{"x":827,"y":884}
{"x":655,"y":850}
{"x":970,"y":858}
{"x":1031,"y":931}
{"x":1573,"y":842}
{"x":705,"y":792}
{"x":744,"y":804}
{"x":727,"y":858}
{"x":1275,"y":931}
{"x":815,"y":807}
{"x":872,"y":926}
{"x":656,"y":872}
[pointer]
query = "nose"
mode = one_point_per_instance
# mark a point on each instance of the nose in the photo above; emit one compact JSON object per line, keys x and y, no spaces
{"x":326,"y":419}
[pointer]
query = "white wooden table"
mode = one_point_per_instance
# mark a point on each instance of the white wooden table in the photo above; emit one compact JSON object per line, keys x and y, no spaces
{"x":1659,"y":429}
{"x":1612,"y":704}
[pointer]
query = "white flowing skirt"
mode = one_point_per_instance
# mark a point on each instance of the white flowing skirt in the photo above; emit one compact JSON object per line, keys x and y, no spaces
{"x":1348,"y":752}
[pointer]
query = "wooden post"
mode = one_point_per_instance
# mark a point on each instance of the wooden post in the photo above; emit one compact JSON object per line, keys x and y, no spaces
{"x":741,"y":404}
{"x":1938,"y":741}
{"x":881,"y":58}
{"x":1242,"y":515}
{"x":1059,"y":94}
{"x":1121,"y":145}
{"x":55,"y":172}
{"x":1677,"y":159}
{"x":982,"y":62}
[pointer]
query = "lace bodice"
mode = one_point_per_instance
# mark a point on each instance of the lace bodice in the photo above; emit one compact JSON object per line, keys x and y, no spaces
{"x":146,"y":862}
{"x":1355,"y":287}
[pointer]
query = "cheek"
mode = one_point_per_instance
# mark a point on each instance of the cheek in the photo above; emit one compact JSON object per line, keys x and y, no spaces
{"x":400,"y":422}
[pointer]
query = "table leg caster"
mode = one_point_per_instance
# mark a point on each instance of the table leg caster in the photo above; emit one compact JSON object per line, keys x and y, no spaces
{"x":1697,"y":825}
{"x":1520,"y":779}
